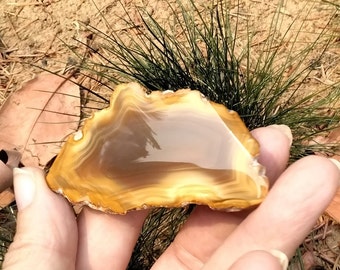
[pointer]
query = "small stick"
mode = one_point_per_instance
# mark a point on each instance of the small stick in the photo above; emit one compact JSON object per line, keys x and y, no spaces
{"x":326,"y":258}
{"x":27,"y":24}
{"x":27,"y":4}
{"x":318,"y":236}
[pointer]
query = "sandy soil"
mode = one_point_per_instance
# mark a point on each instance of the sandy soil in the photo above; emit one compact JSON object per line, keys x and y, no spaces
{"x":43,"y":32}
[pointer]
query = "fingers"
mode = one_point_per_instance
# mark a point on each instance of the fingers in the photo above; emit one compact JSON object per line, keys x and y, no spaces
{"x":286,"y":216}
{"x":46,"y":236}
{"x":106,"y":241}
{"x":275,"y":142}
{"x":259,"y":260}
{"x":206,"y":230}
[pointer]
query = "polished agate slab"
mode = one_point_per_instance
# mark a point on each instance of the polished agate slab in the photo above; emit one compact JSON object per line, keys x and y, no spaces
{"x":162,"y":149}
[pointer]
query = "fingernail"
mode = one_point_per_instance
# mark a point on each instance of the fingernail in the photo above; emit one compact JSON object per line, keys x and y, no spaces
{"x":285,"y":130}
{"x":283,"y":259}
{"x":24,"y":187}
{"x":336,"y":162}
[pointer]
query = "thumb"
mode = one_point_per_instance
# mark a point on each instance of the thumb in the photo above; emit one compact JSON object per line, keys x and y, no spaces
{"x":46,"y":236}
{"x":261,"y":260}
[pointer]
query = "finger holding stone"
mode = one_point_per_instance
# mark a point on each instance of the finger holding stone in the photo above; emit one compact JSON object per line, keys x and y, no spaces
{"x":287,"y":215}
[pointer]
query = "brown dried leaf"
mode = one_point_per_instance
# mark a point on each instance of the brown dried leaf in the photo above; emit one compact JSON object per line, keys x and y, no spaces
{"x":6,"y":176}
{"x":8,"y":160}
{"x":333,"y":137}
{"x":333,"y":208}
{"x":6,"y":197}
{"x":38,"y":117}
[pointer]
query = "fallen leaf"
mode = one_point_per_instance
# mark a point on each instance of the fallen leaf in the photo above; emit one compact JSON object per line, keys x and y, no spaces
{"x":333,"y":138}
{"x":6,"y":197}
{"x":36,"y":119}
{"x":8,"y":160}
{"x":6,"y":176}
{"x":333,"y":208}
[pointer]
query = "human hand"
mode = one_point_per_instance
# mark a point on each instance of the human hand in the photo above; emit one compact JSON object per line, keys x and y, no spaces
{"x":50,"y":237}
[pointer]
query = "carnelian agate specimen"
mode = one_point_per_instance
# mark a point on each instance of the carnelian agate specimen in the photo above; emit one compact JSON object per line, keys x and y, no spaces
{"x":164,"y":149}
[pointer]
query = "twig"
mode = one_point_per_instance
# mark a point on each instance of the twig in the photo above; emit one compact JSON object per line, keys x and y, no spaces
{"x":27,"y":24}
{"x":27,"y":4}
{"x":318,"y":236}
{"x":12,"y":26}
{"x":326,"y":258}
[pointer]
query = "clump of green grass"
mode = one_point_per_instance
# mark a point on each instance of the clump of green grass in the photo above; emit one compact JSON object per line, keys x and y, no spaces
{"x":159,"y":229}
{"x":206,"y":57}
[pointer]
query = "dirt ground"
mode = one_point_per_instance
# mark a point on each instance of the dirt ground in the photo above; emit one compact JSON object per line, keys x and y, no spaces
{"x":44,"y":33}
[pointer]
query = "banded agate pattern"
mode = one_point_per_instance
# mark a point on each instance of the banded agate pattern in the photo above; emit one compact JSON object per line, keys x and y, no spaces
{"x":163,"y":149}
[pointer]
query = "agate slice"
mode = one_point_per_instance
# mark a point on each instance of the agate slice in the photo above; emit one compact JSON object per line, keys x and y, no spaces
{"x":162,"y":149}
